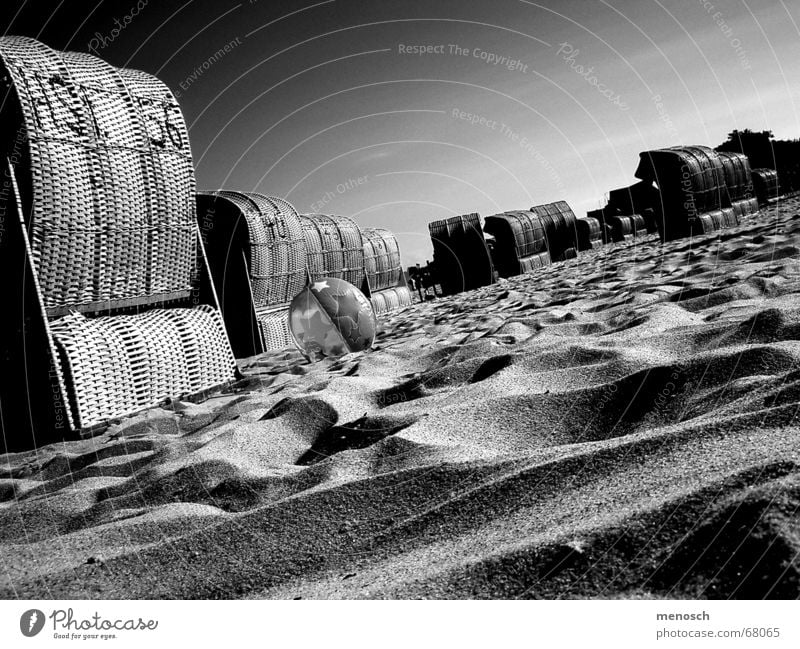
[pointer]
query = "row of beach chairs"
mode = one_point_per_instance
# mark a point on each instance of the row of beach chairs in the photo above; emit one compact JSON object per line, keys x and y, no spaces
{"x":124,"y":286}
{"x":262,"y":253}
{"x":682,"y":192}
{"x":468,"y":254}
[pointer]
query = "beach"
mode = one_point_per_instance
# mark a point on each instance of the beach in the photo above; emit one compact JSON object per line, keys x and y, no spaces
{"x":620,"y":425}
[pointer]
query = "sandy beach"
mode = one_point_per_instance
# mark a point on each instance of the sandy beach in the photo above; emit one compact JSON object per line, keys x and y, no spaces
{"x":618,"y":425}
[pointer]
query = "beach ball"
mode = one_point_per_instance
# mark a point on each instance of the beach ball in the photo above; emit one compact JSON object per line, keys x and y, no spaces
{"x":331,"y":317}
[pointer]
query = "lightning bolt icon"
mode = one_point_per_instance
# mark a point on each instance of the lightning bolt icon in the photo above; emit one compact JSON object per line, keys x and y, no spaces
{"x":32,"y":621}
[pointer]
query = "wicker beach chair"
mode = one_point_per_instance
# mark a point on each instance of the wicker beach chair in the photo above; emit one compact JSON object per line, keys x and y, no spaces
{"x":460,"y":255}
{"x":520,"y":242}
{"x":692,"y":183}
{"x":101,"y":250}
{"x":560,"y":228}
{"x":766,"y":185}
{"x":335,"y":248}
{"x":257,"y":254}
{"x":590,"y":233}
{"x":739,"y":179}
{"x":386,"y":283}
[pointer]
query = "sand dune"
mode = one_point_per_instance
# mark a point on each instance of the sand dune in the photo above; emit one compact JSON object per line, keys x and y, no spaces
{"x":618,"y":425}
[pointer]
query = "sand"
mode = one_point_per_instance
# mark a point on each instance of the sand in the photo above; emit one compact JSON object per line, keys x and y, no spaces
{"x":621,"y":425}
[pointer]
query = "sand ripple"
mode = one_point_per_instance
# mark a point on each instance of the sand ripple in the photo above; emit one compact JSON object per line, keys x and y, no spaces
{"x":619,"y":425}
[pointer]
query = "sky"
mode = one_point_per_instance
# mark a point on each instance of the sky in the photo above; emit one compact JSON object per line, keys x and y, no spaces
{"x":398,"y":113}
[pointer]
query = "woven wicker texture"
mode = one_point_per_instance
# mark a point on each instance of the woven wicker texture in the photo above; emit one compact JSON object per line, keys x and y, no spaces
{"x":119,"y":364}
{"x":730,"y":218}
{"x":702,"y":224}
{"x":380,"y":304}
{"x":274,"y":325}
{"x":517,"y":235}
{"x":639,"y":225}
{"x":738,"y":177}
{"x":605,"y":229}
{"x":589,"y":233}
{"x":745,"y":208}
{"x":390,"y":299}
{"x":98,"y":370}
{"x":692,"y":182}
{"x":108,"y":175}
{"x":560,"y":227}
{"x":725,"y":218}
{"x":460,"y":255}
{"x":520,"y":230}
{"x":691,"y":179}
{"x":765,"y":185}
{"x":334,"y":248}
{"x":622,"y":228}
{"x":532,"y":262}
{"x":382,"y":264}
{"x":713,"y":221}
{"x":277,"y":255}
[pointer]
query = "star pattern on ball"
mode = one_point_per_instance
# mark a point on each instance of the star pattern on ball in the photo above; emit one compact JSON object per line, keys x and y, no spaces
{"x":352,"y":319}
{"x":331,"y":317}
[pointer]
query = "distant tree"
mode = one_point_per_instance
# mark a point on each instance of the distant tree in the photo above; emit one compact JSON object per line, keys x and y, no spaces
{"x":756,"y":145}
{"x":763,"y":150}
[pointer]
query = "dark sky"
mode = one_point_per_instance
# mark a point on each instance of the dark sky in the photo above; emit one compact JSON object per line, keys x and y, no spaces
{"x":316,"y":102}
